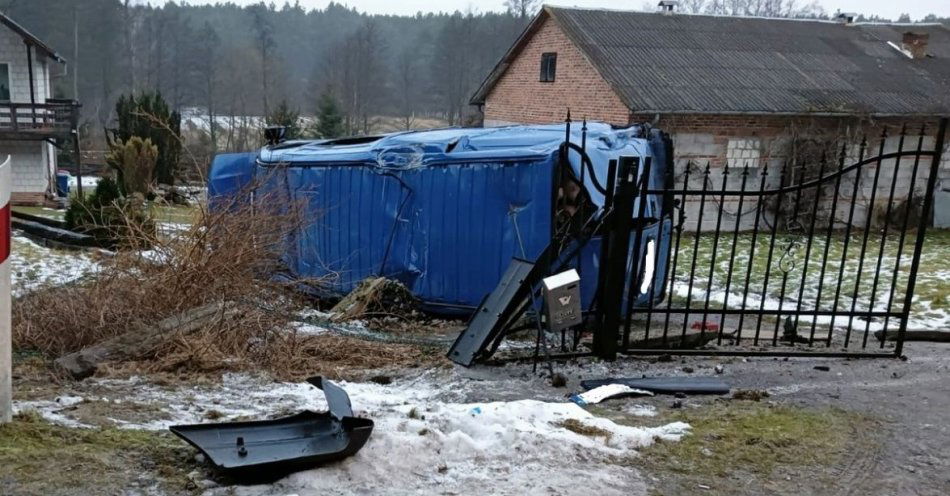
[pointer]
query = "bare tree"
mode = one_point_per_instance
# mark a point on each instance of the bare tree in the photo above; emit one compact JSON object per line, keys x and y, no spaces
{"x":522,"y":8}
{"x":407,"y":73}
{"x":694,"y":6}
{"x":265,"y":43}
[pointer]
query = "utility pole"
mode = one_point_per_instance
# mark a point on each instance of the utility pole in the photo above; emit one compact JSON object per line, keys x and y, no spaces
{"x":75,"y":134}
{"x":6,"y":299}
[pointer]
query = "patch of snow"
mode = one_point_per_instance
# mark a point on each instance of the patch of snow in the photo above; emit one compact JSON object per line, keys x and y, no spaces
{"x":306,"y":329}
{"x":53,"y":411}
{"x":429,"y":436}
{"x":33,"y":266}
{"x":640,"y":410}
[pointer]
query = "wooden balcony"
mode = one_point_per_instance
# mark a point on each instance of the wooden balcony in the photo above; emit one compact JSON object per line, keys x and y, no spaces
{"x":53,"y":120}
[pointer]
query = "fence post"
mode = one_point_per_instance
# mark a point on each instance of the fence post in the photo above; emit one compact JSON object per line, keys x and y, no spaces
{"x":614,"y":264}
{"x":6,"y":351}
{"x":921,"y":232}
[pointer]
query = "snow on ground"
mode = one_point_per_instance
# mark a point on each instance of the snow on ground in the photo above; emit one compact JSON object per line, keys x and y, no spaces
{"x":430,"y":435}
{"x":33,"y":266}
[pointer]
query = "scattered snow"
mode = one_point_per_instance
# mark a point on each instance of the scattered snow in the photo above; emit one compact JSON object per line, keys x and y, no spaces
{"x":640,"y":410}
{"x":53,"y":411}
{"x":428,"y":437}
{"x":33,"y":266}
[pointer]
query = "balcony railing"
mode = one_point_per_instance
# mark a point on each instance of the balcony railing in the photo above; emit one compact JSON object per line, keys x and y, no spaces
{"x":53,"y":119}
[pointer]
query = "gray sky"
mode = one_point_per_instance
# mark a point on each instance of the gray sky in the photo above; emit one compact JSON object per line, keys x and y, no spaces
{"x":887,"y":8}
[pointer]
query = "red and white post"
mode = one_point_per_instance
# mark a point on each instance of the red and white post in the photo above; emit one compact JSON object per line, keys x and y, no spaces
{"x":6,"y":298}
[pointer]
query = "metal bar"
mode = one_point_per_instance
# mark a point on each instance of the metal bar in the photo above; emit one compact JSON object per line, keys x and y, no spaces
{"x":692,"y":268}
{"x":828,"y":240}
{"x":640,"y":179}
{"x":864,"y":240}
{"x":732,"y":254}
{"x":847,"y":233}
{"x":749,"y":353}
{"x":808,"y":243}
{"x":605,"y":339}
{"x":791,"y":189}
{"x":903,"y":232}
{"x":755,"y":234}
{"x":794,"y":218}
{"x":788,"y":311}
{"x":605,"y":240}
{"x":887,"y":222}
{"x":676,"y":251}
{"x":29,"y":69}
{"x":651,"y":295}
{"x":921,"y":231}
{"x":768,"y":260}
{"x":712,"y":259}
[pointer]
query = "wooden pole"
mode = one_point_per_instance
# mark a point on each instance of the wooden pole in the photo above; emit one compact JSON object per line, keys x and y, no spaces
{"x":6,"y":347}
{"x":29,"y":69}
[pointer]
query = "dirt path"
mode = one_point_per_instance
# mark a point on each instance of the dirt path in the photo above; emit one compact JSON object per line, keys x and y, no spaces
{"x":888,"y":432}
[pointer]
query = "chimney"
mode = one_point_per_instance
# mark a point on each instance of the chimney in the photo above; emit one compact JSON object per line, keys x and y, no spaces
{"x":915,"y":44}
{"x":846,"y":18}
{"x":666,"y":6}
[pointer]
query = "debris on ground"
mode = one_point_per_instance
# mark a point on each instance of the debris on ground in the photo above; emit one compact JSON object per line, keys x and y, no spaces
{"x":376,"y":297}
{"x":750,"y":394}
{"x":666,"y":385}
{"x":823,"y":368}
{"x":606,"y":392}
{"x":140,"y":342}
{"x":267,"y":450}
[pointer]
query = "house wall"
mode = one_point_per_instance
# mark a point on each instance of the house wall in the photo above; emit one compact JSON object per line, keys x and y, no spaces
{"x":34,"y":162}
{"x":519,"y":96}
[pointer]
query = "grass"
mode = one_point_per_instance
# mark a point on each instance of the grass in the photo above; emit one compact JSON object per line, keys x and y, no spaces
{"x":583,"y":429}
{"x":743,"y":443}
{"x":175,"y":214}
{"x":787,"y":266}
{"x":39,"y":458}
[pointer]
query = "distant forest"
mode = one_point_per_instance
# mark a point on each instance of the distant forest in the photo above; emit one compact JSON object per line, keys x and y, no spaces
{"x":232,"y":60}
{"x":242,"y":61}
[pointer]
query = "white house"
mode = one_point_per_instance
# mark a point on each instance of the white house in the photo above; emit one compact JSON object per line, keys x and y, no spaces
{"x":32,"y":123}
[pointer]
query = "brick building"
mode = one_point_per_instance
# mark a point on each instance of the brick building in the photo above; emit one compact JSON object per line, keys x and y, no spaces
{"x":32,"y":123}
{"x":740,"y":91}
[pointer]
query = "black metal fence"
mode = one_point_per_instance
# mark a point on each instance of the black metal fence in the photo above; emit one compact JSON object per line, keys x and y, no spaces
{"x":816,"y":257}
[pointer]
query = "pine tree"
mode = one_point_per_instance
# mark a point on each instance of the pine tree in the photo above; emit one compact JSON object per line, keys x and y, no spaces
{"x":329,"y":116}
{"x":283,"y":115}
{"x":149,"y":117}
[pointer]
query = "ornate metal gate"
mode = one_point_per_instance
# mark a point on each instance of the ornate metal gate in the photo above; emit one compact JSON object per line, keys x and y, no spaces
{"x":816,"y":257}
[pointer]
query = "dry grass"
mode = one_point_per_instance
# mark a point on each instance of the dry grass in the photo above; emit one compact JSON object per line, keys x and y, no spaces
{"x":225,"y":256}
{"x":583,"y":429}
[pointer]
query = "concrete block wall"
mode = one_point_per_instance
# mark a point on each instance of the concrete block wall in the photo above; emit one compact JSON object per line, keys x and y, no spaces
{"x":761,"y":141}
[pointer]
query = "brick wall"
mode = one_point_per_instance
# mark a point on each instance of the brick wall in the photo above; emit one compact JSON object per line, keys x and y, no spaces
{"x":519,"y":96}
{"x":33,"y":161}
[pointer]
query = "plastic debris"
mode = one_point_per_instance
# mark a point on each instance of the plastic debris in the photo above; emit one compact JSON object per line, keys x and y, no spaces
{"x":602,"y":393}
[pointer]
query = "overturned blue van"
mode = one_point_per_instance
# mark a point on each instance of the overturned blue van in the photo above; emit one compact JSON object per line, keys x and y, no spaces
{"x":445,"y":211}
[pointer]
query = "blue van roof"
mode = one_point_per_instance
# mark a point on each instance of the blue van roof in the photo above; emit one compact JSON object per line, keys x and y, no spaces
{"x":421,"y":148}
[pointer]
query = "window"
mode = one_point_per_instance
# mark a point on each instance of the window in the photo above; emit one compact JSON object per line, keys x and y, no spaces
{"x":4,"y":83}
{"x":548,"y":67}
{"x":742,"y":153}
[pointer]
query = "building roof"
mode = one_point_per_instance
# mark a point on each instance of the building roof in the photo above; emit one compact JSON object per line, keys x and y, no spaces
{"x":681,"y":63}
{"x":30,"y":38}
